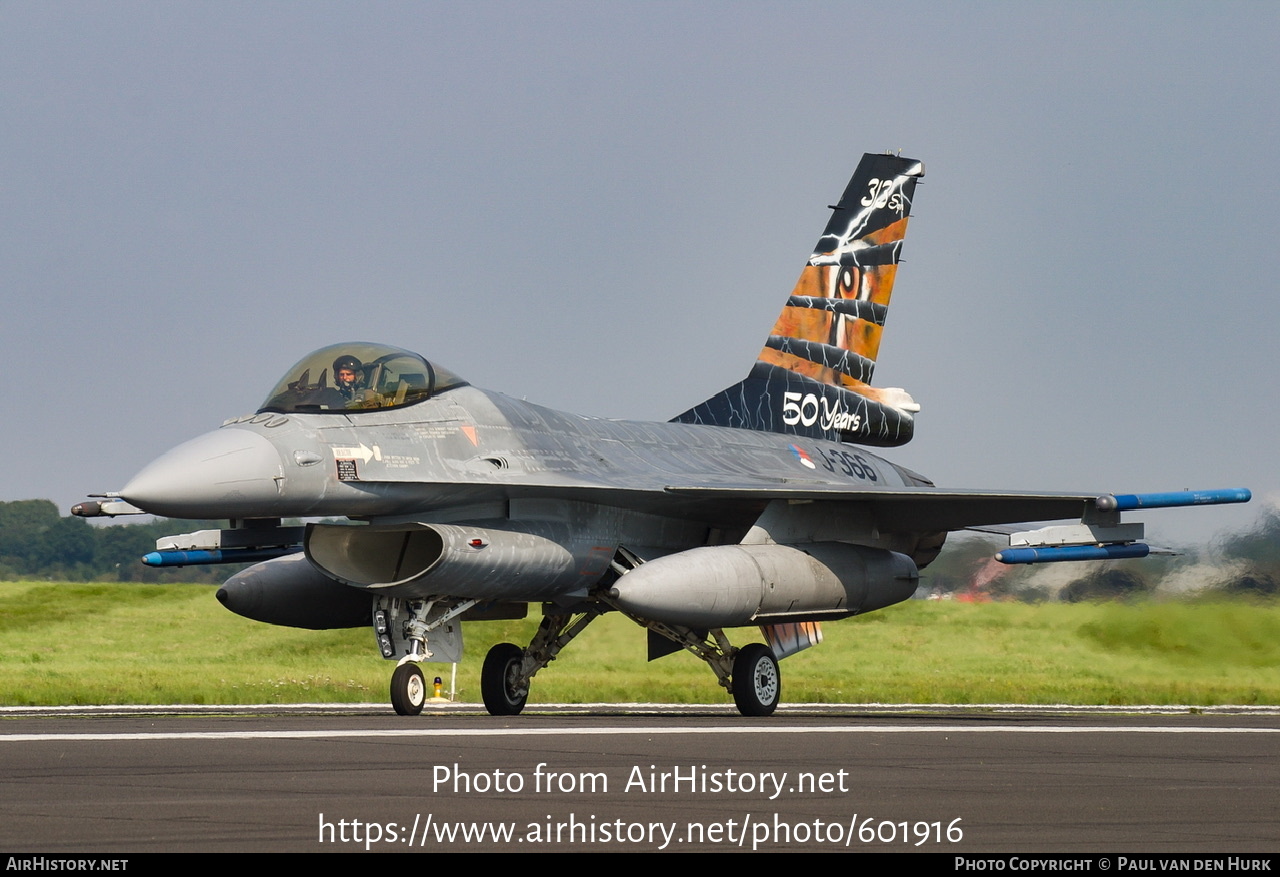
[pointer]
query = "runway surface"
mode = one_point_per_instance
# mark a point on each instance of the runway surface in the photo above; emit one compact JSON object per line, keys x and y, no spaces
{"x":352,"y":779}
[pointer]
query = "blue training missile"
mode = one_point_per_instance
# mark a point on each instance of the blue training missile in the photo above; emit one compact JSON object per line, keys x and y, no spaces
{"x":216,"y":555}
{"x":1058,"y":553}
{"x":1124,"y":502}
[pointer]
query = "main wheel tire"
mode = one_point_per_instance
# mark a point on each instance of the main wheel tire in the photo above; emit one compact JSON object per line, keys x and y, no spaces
{"x":499,"y":680}
{"x":757,"y":684}
{"x":408,"y":690}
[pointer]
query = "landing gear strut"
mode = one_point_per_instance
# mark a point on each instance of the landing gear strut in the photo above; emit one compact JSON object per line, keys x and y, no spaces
{"x":750,"y":673}
{"x":402,"y":628}
{"x":504,"y":679}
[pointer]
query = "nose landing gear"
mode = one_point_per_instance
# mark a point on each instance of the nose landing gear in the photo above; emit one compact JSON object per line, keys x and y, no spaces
{"x":408,"y":690}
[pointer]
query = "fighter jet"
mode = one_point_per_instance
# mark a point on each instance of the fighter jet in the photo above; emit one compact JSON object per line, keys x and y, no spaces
{"x":761,"y":507}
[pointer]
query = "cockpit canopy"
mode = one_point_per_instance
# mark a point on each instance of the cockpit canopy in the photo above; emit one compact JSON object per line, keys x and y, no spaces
{"x":358,"y":376}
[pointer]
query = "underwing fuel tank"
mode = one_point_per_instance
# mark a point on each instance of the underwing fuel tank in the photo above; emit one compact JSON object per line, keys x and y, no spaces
{"x":290,"y":592}
{"x":739,"y":585}
{"x":542,"y":560}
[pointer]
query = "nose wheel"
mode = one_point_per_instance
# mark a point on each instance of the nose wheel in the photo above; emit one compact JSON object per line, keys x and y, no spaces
{"x":408,"y":690}
{"x":757,"y":684}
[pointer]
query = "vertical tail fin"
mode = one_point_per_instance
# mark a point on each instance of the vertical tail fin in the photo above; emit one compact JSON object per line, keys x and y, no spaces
{"x":813,"y":375}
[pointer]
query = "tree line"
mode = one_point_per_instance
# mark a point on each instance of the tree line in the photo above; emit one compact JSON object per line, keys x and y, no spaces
{"x":37,"y":542}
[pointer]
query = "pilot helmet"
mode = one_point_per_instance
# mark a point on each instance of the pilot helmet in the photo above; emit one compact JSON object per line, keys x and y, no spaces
{"x":346,"y":361}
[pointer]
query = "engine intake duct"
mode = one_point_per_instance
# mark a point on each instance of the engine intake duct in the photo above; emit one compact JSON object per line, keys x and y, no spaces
{"x":420,"y":559}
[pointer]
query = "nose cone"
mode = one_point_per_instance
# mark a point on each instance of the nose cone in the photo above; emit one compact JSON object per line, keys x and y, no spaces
{"x":229,"y":473}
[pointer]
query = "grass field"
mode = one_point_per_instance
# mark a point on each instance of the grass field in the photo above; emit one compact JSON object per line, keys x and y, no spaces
{"x":157,"y":644}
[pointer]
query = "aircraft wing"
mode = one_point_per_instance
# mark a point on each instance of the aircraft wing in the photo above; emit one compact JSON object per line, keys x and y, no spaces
{"x":1100,"y":534}
{"x":918,"y":508}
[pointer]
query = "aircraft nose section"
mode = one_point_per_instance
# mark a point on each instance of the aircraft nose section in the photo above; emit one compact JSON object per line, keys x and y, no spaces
{"x":229,"y":473}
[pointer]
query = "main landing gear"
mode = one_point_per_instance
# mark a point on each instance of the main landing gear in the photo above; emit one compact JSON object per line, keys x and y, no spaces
{"x":504,"y":679}
{"x":750,"y":673}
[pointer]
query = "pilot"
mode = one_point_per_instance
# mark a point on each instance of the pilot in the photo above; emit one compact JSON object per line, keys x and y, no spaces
{"x":347,"y":375}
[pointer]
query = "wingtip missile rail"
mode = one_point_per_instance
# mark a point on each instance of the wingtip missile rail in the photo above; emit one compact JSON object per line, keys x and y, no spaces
{"x":1123,"y":502}
{"x":1107,"y":539}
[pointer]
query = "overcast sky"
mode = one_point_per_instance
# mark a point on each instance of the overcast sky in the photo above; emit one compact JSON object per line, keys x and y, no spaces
{"x":603,"y":206}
